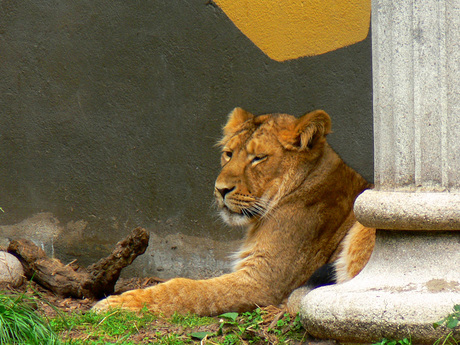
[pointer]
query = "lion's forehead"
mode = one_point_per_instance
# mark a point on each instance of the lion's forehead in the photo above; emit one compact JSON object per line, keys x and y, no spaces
{"x":259,"y":140}
{"x":262,"y":142}
{"x":237,"y":141}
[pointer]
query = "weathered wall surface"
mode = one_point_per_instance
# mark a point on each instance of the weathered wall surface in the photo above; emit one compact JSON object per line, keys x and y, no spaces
{"x":109,"y":115}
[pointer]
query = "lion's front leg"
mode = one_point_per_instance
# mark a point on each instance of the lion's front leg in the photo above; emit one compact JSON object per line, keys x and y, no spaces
{"x":231,"y":292}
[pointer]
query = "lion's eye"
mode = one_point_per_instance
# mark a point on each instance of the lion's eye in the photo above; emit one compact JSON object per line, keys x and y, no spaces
{"x":259,"y":158}
{"x":227,"y":155}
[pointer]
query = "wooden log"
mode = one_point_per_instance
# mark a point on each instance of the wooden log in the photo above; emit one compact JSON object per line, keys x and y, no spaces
{"x":105,"y":273}
{"x":96,"y":281}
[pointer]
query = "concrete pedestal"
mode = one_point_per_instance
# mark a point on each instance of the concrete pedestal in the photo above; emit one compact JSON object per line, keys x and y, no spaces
{"x":413,"y":276}
{"x":411,"y":281}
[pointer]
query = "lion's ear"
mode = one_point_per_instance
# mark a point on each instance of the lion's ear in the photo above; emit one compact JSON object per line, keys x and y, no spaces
{"x":235,"y":119}
{"x":310,"y":129}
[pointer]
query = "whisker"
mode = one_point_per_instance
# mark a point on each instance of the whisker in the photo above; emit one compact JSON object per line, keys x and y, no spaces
{"x":245,"y":212}
{"x":249,"y":206}
{"x":266,"y":207}
{"x":260,"y":208}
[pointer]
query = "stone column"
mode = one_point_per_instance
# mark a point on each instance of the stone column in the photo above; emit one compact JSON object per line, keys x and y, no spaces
{"x":413,"y":276}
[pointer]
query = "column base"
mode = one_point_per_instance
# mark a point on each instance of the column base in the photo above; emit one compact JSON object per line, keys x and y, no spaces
{"x":411,"y":281}
{"x":408,"y":210}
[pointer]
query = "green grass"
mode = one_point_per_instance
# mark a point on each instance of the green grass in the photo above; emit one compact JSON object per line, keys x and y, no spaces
{"x":20,"y":324}
{"x":124,"y":327}
{"x":115,"y":322}
{"x":191,"y":320}
{"x":113,"y":327}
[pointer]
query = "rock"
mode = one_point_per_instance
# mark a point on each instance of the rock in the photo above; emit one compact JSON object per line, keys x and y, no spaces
{"x":293,"y":304}
{"x":11,"y":270}
{"x":4,"y":242}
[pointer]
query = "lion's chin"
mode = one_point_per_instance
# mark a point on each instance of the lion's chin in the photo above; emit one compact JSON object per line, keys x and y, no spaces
{"x":234,"y":219}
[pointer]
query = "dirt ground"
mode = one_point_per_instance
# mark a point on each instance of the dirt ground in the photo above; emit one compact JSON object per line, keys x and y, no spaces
{"x":50,"y":304}
{"x":69,"y":305}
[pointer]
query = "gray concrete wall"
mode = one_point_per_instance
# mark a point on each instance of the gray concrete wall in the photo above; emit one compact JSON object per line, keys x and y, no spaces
{"x":109,"y":115}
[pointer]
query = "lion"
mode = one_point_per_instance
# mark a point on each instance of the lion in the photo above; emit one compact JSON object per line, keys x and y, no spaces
{"x":282,"y":181}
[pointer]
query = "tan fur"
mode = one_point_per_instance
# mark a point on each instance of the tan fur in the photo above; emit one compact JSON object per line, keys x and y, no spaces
{"x":357,"y":249}
{"x":294,"y":194}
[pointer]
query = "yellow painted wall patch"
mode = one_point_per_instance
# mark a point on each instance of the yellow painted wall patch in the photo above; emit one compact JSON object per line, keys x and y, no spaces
{"x":289,"y":29}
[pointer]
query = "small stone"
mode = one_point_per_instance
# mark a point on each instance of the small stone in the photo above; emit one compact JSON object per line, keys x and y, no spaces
{"x":4,"y":242}
{"x":293,"y":304}
{"x":11,"y":270}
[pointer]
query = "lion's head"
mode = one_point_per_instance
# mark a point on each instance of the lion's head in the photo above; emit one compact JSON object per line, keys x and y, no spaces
{"x":264,"y":158}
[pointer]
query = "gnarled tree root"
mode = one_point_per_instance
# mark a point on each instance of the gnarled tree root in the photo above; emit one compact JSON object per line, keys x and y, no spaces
{"x":96,"y":281}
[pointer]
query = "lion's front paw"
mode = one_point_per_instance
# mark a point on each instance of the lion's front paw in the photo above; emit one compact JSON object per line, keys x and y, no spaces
{"x":134,"y":300}
{"x":108,"y":303}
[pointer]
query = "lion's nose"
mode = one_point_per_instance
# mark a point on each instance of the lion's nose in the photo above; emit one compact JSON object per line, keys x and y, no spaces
{"x":224,"y":191}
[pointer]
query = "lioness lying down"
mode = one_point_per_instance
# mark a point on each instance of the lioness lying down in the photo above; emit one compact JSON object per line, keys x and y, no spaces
{"x":284,"y":183}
